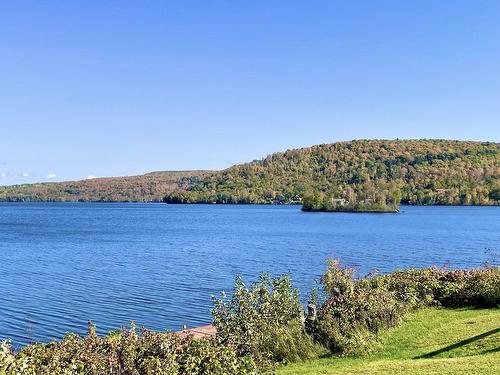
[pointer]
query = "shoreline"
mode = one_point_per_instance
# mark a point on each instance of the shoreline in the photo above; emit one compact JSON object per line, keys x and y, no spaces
{"x":236,"y":204}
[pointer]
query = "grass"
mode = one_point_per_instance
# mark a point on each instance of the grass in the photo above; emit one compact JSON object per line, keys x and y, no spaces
{"x":431,"y":341}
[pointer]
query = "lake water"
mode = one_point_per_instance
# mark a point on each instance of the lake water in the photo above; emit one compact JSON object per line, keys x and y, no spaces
{"x":62,"y":264}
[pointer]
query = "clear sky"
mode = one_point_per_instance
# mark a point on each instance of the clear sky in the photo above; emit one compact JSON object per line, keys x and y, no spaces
{"x":125,"y":87}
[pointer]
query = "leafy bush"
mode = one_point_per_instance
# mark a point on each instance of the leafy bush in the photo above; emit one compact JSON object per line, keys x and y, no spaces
{"x":125,"y":352}
{"x":264,"y":322}
{"x":448,"y":288}
{"x":480,"y":288}
{"x":355,"y":310}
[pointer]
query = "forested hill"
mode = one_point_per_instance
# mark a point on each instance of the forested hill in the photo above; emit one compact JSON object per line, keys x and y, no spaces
{"x":150,"y":187}
{"x":406,"y":171}
{"x":410,"y":171}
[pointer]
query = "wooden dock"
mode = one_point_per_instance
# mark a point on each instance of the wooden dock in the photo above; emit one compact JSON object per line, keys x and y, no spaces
{"x":202,"y":332}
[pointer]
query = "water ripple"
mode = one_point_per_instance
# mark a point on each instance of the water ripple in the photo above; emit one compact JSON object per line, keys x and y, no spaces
{"x":62,"y":265}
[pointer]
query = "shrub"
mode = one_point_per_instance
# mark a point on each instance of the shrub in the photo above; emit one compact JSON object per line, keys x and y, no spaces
{"x":413,"y":288}
{"x":480,"y":288}
{"x":354,"y":311}
{"x":125,"y":352}
{"x":448,"y":288}
{"x":264,"y":322}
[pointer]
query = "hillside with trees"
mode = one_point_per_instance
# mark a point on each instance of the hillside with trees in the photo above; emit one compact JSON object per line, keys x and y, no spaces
{"x":150,"y":187}
{"x":381,"y":172}
{"x":362,"y":173}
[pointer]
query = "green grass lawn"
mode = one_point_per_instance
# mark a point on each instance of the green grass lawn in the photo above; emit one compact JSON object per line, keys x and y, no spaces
{"x":431,"y":341}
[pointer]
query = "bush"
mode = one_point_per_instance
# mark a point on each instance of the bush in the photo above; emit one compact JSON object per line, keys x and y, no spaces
{"x":125,"y":352}
{"x":448,"y":288}
{"x":354,"y":311}
{"x":264,"y":322}
{"x":480,"y":288}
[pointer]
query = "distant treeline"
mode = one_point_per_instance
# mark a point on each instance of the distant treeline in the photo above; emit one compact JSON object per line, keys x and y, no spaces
{"x":426,"y":172}
{"x":380,"y":172}
{"x":150,"y":187}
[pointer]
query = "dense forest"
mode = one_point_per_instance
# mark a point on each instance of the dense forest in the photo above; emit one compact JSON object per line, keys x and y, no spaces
{"x":374,"y":172}
{"x":377,"y":171}
{"x":150,"y":187}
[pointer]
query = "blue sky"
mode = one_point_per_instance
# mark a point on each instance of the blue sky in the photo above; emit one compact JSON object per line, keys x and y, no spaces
{"x":126,"y":87}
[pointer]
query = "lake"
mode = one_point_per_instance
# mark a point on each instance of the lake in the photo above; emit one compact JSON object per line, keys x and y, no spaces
{"x":62,"y":264}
